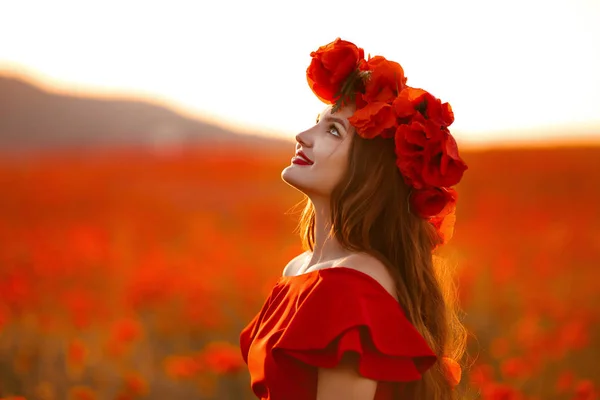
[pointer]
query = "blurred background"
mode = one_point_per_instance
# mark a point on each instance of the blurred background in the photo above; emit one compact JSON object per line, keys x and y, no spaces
{"x":143,"y":219}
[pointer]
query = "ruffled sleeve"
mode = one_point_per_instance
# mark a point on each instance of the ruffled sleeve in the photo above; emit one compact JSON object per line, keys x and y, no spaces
{"x":348,"y":310}
{"x":246,"y":336}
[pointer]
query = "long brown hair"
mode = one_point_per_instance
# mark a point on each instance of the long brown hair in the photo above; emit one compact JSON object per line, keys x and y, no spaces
{"x":369,"y":213}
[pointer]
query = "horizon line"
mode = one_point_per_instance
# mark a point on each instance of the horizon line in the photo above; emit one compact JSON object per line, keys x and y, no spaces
{"x":585,"y":136}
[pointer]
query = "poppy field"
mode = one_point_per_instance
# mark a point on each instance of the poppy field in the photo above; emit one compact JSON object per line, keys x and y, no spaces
{"x":128,"y":274}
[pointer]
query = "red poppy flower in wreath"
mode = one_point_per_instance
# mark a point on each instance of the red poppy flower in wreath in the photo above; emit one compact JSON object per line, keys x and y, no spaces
{"x":442,"y":164}
{"x":444,"y":222}
{"x":386,"y":80}
{"x":411,"y":141}
{"x":412,"y":100}
{"x":433,"y":202}
{"x":374,"y":119}
{"x":330,"y":66}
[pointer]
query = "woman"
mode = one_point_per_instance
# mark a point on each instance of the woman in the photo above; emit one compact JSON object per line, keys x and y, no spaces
{"x":363,"y":313}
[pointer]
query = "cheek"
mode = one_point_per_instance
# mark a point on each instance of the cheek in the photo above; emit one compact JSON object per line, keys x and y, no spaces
{"x":334,"y":153}
{"x":340,"y":163}
{"x":334,"y":168}
{"x":332,"y":160}
{"x":341,"y":157}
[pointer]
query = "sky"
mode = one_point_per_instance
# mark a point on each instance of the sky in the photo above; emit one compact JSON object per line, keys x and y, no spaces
{"x":512,"y":70}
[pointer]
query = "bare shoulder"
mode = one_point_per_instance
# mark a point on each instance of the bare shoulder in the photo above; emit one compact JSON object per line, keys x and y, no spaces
{"x":295,"y":263}
{"x":371,"y":266}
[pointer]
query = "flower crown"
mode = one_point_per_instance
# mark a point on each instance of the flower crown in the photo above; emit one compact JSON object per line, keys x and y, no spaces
{"x":427,"y":154}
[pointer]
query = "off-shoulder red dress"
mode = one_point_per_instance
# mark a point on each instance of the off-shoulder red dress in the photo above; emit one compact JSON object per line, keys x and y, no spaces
{"x":308,"y":321}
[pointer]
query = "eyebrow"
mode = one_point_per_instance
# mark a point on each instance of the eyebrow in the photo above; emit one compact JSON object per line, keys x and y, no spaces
{"x":336,"y":119}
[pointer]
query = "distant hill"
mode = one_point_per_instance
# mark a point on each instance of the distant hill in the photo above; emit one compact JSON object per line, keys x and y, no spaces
{"x":32,"y":118}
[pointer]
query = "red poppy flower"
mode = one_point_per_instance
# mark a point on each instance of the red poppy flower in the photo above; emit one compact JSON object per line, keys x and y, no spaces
{"x":411,"y":141}
{"x":373,"y":120}
{"x":412,"y":100}
{"x":432,"y":202}
{"x":386,"y":80}
{"x":330,"y":66}
{"x":443,"y":165}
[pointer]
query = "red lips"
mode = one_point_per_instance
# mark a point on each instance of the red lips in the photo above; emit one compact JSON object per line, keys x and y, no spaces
{"x":303,"y":156}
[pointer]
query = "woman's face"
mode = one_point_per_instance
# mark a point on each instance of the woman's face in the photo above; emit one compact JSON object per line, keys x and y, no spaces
{"x":321,"y":154}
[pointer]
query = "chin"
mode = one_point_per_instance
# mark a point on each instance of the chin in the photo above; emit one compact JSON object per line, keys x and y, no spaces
{"x":290,"y":175}
{"x":287,"y":175}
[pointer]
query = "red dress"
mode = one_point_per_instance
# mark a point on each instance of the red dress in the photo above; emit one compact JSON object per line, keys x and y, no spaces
{"x":310,"y":320}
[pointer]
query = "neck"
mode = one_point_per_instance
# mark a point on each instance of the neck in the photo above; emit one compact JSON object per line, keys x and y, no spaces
{"x":326,"y":247}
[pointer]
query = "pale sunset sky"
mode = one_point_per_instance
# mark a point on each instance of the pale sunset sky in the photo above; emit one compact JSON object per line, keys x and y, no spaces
{"x":513,"y":70}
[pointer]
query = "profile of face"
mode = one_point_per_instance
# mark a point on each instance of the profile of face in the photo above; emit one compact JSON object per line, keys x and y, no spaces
{"x":321,"y":154}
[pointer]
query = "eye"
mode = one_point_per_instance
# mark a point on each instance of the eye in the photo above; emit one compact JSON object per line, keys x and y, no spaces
{"x":333,"y":128}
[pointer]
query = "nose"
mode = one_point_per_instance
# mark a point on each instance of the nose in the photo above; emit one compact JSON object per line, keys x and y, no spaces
{"x":304,"y":138}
